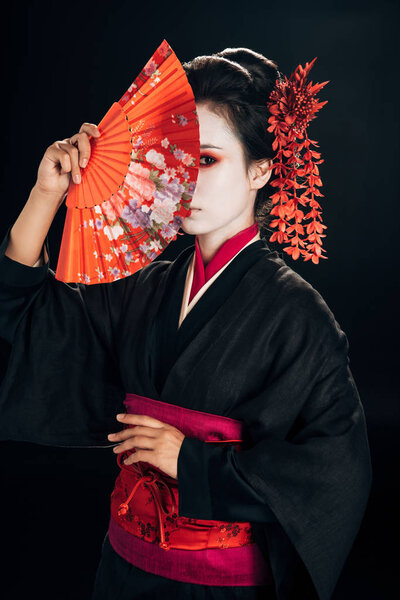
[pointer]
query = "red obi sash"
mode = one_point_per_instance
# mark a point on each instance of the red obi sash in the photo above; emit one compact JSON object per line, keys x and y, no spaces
{"x":145,"y":520}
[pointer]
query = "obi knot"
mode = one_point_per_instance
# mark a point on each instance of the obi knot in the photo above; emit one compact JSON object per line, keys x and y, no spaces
{"x":153,"y":480}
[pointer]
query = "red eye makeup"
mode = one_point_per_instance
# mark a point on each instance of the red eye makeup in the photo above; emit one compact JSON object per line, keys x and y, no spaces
{"x":209,"y":164}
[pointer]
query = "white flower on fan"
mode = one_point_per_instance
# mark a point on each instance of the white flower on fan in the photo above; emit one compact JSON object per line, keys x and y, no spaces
{"x":155,"y":158}
{"x":164,"y":178}
{"x":165,"y":142}
{"x":163,"y":209}
{"x":113,"y":232}
{"x":149,"y":246}
{"x":153,"y":246}
{"x":97,"y":209}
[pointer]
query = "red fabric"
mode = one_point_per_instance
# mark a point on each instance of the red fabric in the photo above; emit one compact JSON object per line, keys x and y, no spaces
{"x":224,"y":254}
{"x":241,"y":566}
{"x":145,"y":520}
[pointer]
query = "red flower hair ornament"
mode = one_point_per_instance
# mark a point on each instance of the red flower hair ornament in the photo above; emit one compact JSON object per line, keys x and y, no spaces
{"x":292,"y":104}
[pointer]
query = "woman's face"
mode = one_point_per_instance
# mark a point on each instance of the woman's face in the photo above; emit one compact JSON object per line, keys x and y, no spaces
{"x":224,"y":195}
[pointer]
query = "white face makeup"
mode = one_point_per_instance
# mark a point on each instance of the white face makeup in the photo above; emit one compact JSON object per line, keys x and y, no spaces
{"x":223,"y":192}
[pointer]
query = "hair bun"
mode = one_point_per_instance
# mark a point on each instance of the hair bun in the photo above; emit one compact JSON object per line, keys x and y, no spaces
{"x":263,"y":71}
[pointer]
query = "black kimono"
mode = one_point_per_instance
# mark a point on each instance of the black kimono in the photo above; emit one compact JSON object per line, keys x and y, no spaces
{"x":261,"y":345}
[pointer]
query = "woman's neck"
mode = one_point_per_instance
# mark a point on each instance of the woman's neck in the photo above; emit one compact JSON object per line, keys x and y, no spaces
{"x":210,"y":243}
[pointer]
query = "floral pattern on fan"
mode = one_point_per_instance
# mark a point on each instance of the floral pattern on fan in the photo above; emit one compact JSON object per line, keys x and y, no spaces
{"x":153,"y":201}
{"x":139,"y":181}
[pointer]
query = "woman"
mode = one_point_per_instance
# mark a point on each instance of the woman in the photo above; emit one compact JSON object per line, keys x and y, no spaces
{"x":226,"y":335}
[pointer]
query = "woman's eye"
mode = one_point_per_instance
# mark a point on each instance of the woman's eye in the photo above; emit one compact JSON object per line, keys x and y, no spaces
{"x":207,"y":158}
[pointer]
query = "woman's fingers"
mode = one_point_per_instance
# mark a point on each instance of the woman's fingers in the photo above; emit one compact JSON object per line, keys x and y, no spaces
{"x":73,"y":154}
{"x":59,"y":156}
{"x":65,"y":158}
{"x":134,"y":437}
{"x":81,"y":142}
{"x":78,"y":148}
{"x":86,"y":130}
{"x":137,"y":441}
{"x":90,"y":128}
{"x":130,"y":431}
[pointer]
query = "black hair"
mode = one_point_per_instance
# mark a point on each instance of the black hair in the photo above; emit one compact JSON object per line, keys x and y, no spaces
{"x":236,"y":83}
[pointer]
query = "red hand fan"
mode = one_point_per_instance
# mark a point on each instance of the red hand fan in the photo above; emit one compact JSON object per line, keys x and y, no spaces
{"x":141,"y":176}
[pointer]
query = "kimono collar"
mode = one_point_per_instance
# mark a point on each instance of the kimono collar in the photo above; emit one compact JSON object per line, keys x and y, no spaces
{"x":223,"y":255}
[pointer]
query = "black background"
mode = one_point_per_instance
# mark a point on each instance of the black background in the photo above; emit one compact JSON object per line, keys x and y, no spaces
{"x":64,"y":63}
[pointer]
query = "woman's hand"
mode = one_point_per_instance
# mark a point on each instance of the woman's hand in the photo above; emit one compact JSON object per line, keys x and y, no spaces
{"x":159,"y":443}
{"x":63,"y":158}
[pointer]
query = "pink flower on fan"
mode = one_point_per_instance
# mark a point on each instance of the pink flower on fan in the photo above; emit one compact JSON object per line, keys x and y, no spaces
{"x":138,"y":183}
{"x":113,"y":208}
{"x":187,"y":159}
{"x":150,"y":67}
{"x":170,"y":172}
{"x":164,"y":49}
{"x":165,"y":142}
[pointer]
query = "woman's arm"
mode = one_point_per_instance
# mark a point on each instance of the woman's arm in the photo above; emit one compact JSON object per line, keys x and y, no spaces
{"x":27,"y":235}
{"x":61,"y":162}
{"x":25,"y":245}
{"x":24,"y":259}
{"x":61,"y":384}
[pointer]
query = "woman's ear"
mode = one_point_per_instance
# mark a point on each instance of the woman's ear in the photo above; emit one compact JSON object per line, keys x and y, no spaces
{"x":260,"y":172}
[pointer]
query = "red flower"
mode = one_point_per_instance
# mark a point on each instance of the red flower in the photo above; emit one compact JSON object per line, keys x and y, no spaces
{"x":292,"y":105}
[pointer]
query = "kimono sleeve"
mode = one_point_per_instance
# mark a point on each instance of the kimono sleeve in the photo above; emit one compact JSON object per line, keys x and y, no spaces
{"x":317,"y":480}
{"x":218,"y":491}
{"x":314,"y":470}
{"x":60,"y":383}
{"x":19,"y":285}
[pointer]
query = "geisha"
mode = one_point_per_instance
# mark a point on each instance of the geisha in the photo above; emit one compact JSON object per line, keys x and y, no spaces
{"x":220,"y":379}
